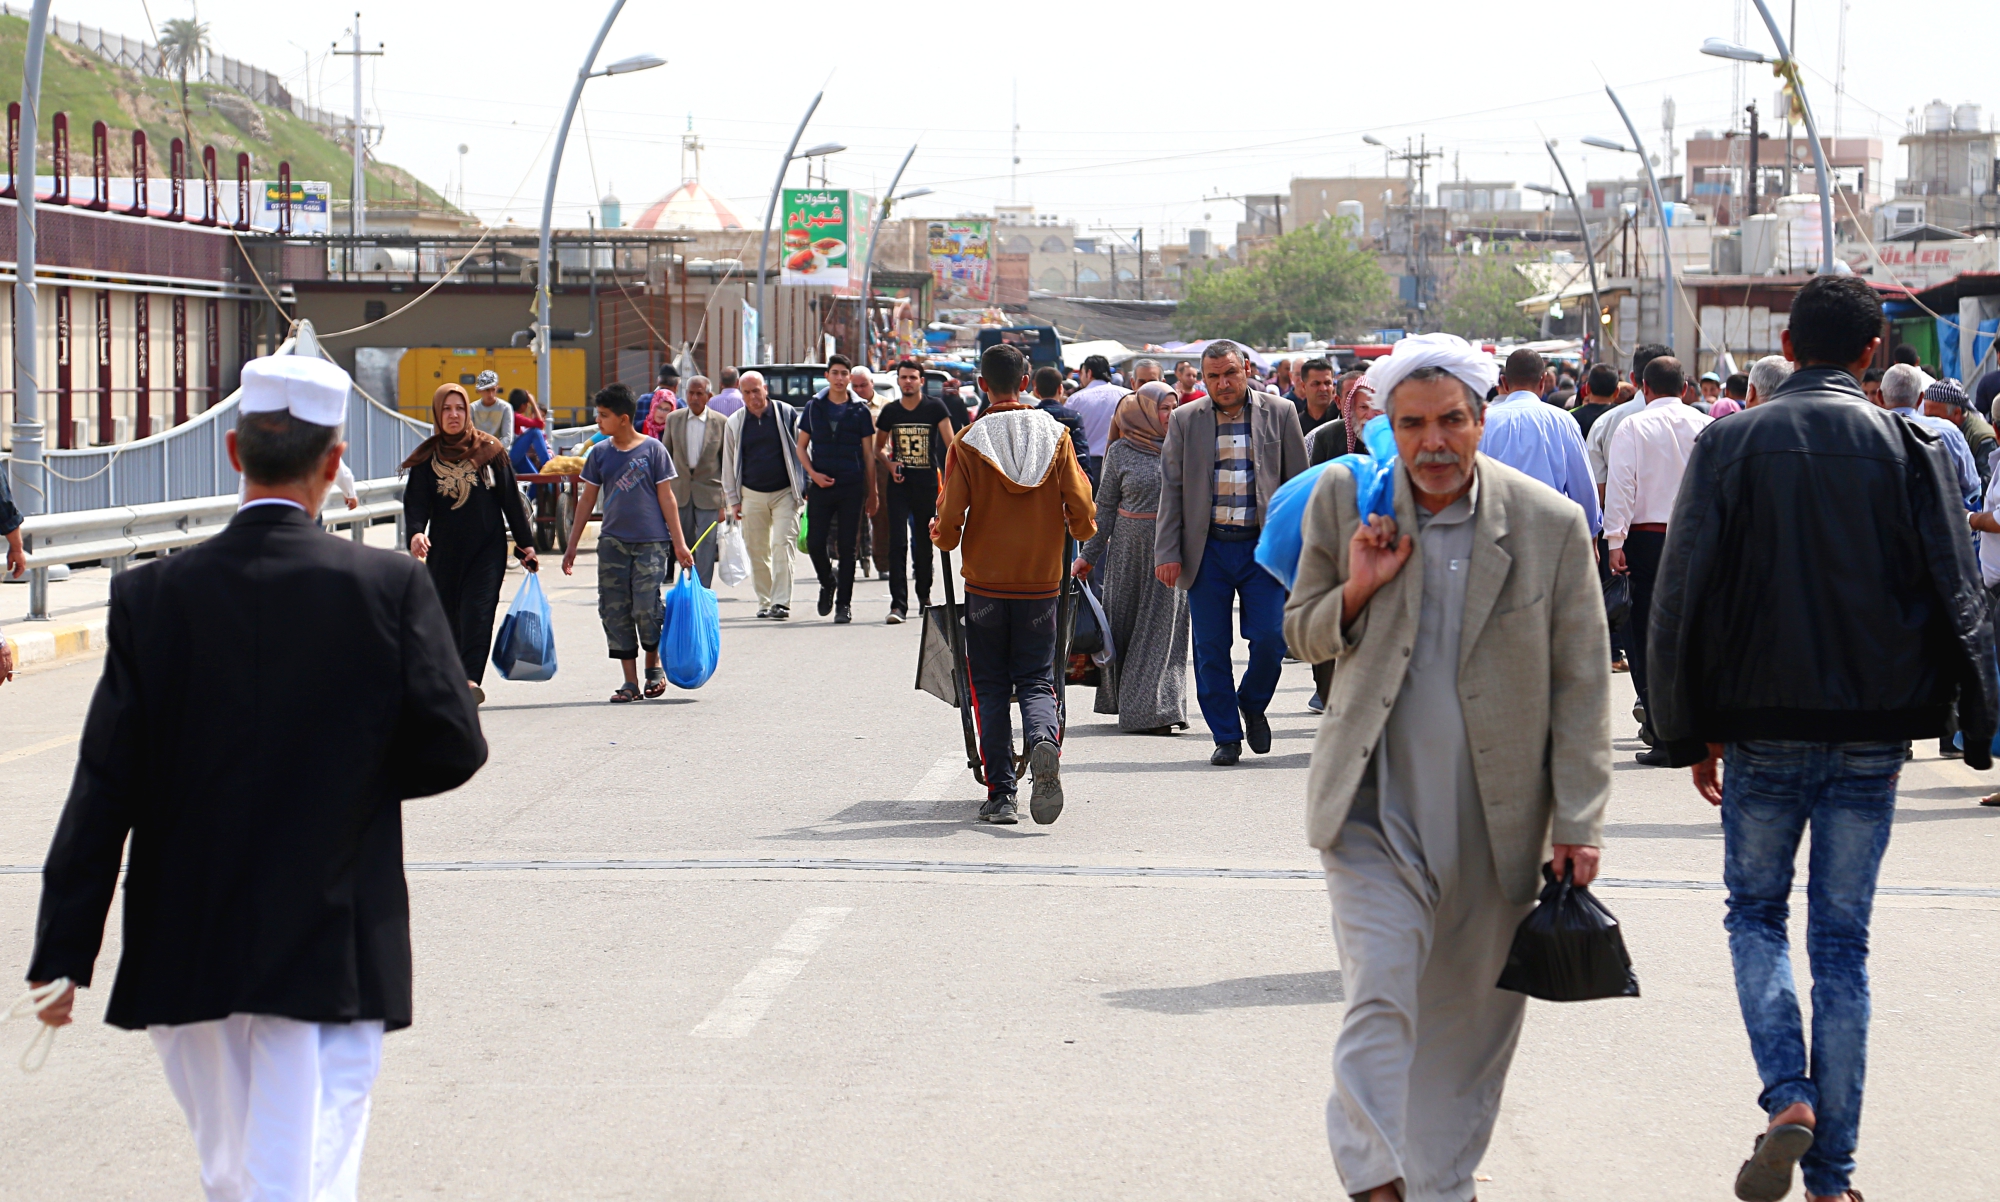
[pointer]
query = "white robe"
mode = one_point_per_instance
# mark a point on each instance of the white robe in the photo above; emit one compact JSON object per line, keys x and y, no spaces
{"x":278,"y":1107}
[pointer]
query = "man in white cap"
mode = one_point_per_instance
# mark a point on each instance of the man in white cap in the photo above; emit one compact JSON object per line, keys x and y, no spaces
{"x":490,"y":413}
{"x":266,"y":929}
{"x":1467,"y":730}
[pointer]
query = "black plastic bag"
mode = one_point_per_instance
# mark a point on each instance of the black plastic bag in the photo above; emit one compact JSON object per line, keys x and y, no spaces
{"x":1568,"y":948}
{"x":1618,"y":599}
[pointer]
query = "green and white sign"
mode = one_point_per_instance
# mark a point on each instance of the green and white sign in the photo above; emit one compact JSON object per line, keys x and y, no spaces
{"x":825,"y":237}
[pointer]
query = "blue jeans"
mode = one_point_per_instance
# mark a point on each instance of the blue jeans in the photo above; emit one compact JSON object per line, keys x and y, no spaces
{"x":1229,"y":571}
{"x":1770,"y":791}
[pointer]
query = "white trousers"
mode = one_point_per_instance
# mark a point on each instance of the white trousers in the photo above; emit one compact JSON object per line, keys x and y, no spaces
{"x":771,"y":531}
{"x":278,"y":1107}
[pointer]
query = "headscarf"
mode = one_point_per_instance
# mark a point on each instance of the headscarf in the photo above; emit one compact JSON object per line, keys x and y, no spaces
{"x":1137,"y":418}
{"x":456,"y":458}
{"x":1947,"y":392}
{"x":1350,"y":403}
{"x":1454,"y":354}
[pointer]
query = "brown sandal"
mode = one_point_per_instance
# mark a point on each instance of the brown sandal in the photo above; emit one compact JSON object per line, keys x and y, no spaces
{"x":656,"y":682}
{"x":626,"y":692}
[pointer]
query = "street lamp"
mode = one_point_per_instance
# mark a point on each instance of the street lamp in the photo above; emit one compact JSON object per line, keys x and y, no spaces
{"x":792,"y":153}
{"x":26,"y":466}
{"x":1788,"y":70}
{"x":1589,"y":254}
{"x":1659,"y":205}
{"x":545,"y":265}
{"x":874,"y":235}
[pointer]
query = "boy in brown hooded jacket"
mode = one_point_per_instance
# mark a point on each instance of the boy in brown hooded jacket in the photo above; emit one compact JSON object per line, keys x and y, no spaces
{"x":1012,"y":484}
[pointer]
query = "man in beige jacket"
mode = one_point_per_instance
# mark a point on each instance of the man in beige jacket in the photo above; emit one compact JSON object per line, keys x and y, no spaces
{"x":1467,"y":728}
{"x":694,"y":438}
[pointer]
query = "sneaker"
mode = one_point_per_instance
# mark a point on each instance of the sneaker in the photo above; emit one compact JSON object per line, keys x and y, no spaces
{"x":1256,"y":731}
{"x":1226,"y":754}
{"x":780,"y":612}
{"x":843,"y":616}
{"x":1045,"y":762}
{"x":1317,"y":705}
{"x":825,"y":601}
{"x":897,"y":614}
{"x":1000,"y":811}
{"x":764,"y":613}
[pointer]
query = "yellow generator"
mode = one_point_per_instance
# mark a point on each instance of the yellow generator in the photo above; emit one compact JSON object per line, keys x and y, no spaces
{"x":426,"y":367}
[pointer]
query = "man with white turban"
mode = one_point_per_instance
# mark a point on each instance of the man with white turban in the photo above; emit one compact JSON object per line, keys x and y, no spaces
{"x":1466,"y":743}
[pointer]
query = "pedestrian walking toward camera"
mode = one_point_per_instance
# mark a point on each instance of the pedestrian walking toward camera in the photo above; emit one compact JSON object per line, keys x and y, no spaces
{"x":1012,"y":488}
{"x":1317,"y":395}
{"x":641,"y":529}
{"x":835,"y":438}
{"x":1467,"y":732}
{"x":1224,"y":456}
{"x":459,"y":504}
{"x":266,"y":929}
{"x":1646,"y":461}
{"x":694,"y":443}
{"x":764,"y":483}
{"x":491,"y":414}
{"x":1146,"y":684}
{"x":913,"y":432}
{"x":1817,"y":505}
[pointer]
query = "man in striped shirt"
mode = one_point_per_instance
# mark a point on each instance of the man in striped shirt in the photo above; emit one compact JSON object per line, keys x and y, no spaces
{"x":1225,"y":455}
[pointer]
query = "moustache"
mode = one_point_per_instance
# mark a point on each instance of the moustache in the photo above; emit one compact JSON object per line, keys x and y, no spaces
{"x":1428,"y":457}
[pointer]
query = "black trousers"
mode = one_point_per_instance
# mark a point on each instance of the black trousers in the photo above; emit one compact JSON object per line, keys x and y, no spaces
{"x":836,"y":513}
{"x":468,"y":583}
{"x":1642,"y":559}
{"x":912,"y":504}
{"x":1010,"y":647}
{"x":1323,"y":680}
{"x":1604,"y":578}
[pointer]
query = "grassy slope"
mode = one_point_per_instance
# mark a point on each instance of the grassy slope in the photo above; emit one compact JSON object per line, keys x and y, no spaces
{"x":89,"y":89}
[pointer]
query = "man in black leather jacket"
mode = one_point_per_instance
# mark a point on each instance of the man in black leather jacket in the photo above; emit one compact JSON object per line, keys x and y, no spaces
{"x":1818,"y":607}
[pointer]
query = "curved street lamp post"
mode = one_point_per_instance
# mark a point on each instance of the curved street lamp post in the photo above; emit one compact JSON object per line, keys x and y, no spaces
{"x":792,"y":153}
{"x":1589,"y":254}
{"x":889,"y":198}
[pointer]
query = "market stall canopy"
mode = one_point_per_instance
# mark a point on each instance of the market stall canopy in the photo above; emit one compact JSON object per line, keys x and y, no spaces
{"x":1114,"y":352}
{"x":1193,"y":350}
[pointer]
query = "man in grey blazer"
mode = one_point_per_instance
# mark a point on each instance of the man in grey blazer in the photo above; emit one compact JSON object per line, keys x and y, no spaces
{"x":694,"y":435}
{"x":1224,"y":456}
{"x":1468,"y":730}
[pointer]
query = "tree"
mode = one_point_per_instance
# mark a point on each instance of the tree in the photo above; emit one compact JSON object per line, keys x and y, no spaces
{"x":1482,"y":299}
{"x":183,"y":40}
{"x":1314,"y":279}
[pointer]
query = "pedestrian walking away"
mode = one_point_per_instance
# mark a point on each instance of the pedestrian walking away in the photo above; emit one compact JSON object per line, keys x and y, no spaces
{"x":1816,"y":503}
{"x":834,"y":439}
{"x":459,"y":505}
{"x":1472,"y":620}
{"x":1225,"y":455}
{"x":763,"y":482}
{"x":912,"y":434}
{"x":1772,"y":370}
{"x":1094,"y":403}
{"x":694,"y":442}
{"x":1646,"y":461}
{"x":1539,"y":439}
{"x":640,"y":532}
{"x":729,"y":398}
{"x":1903,"y":390}
{"x":1146,"y":683}
{"x":1049,"y":399}
{"x":1012,"y":489}
{"x":266,"y":930}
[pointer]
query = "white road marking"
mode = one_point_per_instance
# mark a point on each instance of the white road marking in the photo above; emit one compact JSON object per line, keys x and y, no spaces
{"x":746,"y":1004}
{"x":22,"y":753}
{"x":940,"y":783}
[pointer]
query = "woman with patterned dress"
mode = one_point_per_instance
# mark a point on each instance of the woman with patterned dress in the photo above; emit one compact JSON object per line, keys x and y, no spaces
{"x":1146,"y":685}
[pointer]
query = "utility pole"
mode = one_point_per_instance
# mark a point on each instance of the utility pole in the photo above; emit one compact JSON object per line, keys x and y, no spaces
{"x":357,"y":200}
{"x":1754,"y":181}
{"x":30,"y":485}
{"x":1014,"y":148}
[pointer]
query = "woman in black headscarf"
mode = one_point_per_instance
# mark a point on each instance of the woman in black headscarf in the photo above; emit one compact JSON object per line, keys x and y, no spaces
{"x":458,"y":505}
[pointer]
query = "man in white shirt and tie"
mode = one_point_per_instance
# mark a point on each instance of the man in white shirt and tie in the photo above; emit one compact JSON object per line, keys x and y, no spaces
{"x":1644,"y":462}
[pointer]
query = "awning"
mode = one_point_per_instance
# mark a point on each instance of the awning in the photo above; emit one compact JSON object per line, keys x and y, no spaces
{"x":1114,"y":351}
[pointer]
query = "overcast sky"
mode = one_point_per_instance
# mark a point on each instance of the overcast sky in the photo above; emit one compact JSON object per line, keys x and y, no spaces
{"x":1129,"y":114}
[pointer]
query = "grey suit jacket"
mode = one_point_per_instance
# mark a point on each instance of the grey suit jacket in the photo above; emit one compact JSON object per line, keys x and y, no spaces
{"x":1534,"y":666}
{"x":696,"y":477}
{"x":1187,"y":473}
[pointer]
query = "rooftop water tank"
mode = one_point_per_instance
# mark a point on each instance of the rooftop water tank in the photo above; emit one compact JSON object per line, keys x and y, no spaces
{"x":1937,"y":117}
{"x":1965,"y":118}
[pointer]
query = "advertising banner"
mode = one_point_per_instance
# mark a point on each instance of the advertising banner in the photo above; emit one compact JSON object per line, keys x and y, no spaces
{"x":960,"y":265}
{"x":826,"y":236}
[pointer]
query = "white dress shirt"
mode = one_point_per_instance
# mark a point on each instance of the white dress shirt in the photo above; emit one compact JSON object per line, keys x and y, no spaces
{"x":697,"y":431}
{"x":1598,"y":445}
{"x":1647,"y":457}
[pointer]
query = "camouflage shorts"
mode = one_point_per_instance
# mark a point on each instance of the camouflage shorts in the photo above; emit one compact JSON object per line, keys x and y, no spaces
{"x":629,"y":579}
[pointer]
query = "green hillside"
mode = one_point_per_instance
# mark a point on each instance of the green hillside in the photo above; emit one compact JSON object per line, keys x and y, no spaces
{"x":88,"y":88}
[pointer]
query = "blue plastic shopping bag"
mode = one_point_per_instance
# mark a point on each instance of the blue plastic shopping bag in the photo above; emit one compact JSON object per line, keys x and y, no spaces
{"x":1278,"y":548}
{"x":526,"y":646}
{"x":691,"y":643}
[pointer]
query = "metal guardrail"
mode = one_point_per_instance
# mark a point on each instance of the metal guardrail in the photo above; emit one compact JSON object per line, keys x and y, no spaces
{"x":113,"y":536}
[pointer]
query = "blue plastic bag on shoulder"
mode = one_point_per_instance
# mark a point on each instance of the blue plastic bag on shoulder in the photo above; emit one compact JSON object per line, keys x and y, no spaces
{"x":691,"y":642}
{"x":1284,"y":536}
{"x":525,"y":648}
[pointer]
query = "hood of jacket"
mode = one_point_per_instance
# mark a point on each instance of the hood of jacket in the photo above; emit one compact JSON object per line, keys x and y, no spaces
{"x":1019,"y":443}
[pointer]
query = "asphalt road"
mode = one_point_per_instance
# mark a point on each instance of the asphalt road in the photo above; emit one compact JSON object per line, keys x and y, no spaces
{"x":749,"y":942}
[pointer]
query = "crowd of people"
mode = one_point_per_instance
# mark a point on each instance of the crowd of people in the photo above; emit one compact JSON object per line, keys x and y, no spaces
{"x":1790,"y":548}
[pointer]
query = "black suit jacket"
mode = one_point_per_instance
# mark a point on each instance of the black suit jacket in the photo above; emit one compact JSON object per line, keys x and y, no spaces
{"x":269,"y":698}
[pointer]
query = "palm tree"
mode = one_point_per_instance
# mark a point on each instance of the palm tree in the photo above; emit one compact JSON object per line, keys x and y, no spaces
{"x":183,"y":40}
